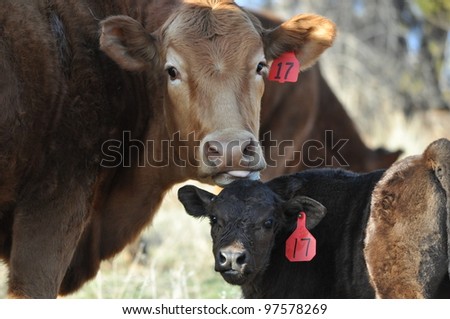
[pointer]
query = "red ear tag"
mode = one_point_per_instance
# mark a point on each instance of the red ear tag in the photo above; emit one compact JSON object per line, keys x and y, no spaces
{"x":285,"y":68}
{"x":301,"y":245}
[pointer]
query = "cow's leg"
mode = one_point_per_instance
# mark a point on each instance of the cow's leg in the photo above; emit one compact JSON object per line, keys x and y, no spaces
{"x":45,"y":235}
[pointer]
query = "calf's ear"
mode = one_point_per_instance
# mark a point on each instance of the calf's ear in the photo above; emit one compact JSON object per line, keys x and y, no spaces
{"x":126,"y":42}
{"x":308,"y":35}
{"x":194,"y":200}
{"x":314,"y":210}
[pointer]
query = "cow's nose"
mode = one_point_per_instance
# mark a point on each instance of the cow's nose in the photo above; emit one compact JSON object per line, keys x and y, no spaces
{"x":235,"y":153}
{"x":232,"y":259}
{"x":229,"y":154}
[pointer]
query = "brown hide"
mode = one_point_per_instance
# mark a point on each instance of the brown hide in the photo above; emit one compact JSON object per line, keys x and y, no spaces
{"x":304,"y":125}
{"x":406,"y":243}
{"x":90,"y":91}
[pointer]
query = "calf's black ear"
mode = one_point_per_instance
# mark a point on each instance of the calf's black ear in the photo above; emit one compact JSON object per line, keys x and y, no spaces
{"x":314,"y":210}
{"x":194,"y":200}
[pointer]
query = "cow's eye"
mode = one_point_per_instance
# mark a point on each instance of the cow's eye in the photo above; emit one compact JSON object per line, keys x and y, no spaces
{"x":261,"y":67}
{"x":268,"y":224}
{"x":173,"y":73}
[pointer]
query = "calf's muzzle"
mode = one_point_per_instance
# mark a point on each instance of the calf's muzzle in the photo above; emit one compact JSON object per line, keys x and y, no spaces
{"x":231,"y":260}
{"x":232,"y":263}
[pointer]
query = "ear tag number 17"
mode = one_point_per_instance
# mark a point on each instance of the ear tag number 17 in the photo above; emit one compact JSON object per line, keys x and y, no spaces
{"x":285,"y":68}
{"x":301,"y":245}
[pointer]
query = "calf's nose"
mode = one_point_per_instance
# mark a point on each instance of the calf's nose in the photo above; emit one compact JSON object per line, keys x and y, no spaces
{"x":231,"y":259}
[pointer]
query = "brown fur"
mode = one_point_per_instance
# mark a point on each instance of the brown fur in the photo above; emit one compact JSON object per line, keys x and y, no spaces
{"x":407,"y":233}
{"x":66,"y":90}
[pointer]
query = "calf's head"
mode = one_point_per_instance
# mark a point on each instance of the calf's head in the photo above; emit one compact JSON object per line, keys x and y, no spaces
{"x":212,"y":56}
{"x":245,"y":219}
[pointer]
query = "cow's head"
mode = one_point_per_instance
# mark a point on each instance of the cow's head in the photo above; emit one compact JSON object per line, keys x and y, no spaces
{"x":245,"y":219}
{"x":213,"y":56}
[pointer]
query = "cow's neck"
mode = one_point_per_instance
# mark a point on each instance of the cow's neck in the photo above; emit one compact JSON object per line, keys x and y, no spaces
{"x":137,"y":191}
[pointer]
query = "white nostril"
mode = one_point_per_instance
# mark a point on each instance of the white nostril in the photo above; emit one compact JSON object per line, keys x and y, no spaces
{"x":223,"y":259}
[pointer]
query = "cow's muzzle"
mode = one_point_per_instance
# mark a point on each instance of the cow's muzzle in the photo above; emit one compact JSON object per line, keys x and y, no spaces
{"x":231,"y":154}
{"x":232,"y":263}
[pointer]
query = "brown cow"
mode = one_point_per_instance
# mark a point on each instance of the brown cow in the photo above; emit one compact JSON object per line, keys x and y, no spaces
{"x":91,"y":136}
{"x":304,"y":124}
{"x":407,"y":242}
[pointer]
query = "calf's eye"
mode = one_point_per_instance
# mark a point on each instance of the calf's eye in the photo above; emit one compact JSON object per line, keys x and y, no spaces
{"x":268,"y":224}
{"x":213,"y":220}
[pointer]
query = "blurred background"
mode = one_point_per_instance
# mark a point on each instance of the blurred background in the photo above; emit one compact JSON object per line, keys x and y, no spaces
{"x":390,"y":68}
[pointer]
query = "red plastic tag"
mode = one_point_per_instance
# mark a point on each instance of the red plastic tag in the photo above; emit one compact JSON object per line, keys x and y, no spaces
{"x":301,"y":245}
{"x":285,"y":68}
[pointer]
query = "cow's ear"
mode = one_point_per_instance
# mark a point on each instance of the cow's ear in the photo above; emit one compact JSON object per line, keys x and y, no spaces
{"x":194,"y":200}
{"x":125,"y":41}
{"x":307,"y":35}
{"x":314,"y":210}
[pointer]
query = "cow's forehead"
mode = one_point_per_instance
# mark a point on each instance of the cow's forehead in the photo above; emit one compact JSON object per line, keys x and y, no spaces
{"x":222,"y":32}
{"x":234,"y":203}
